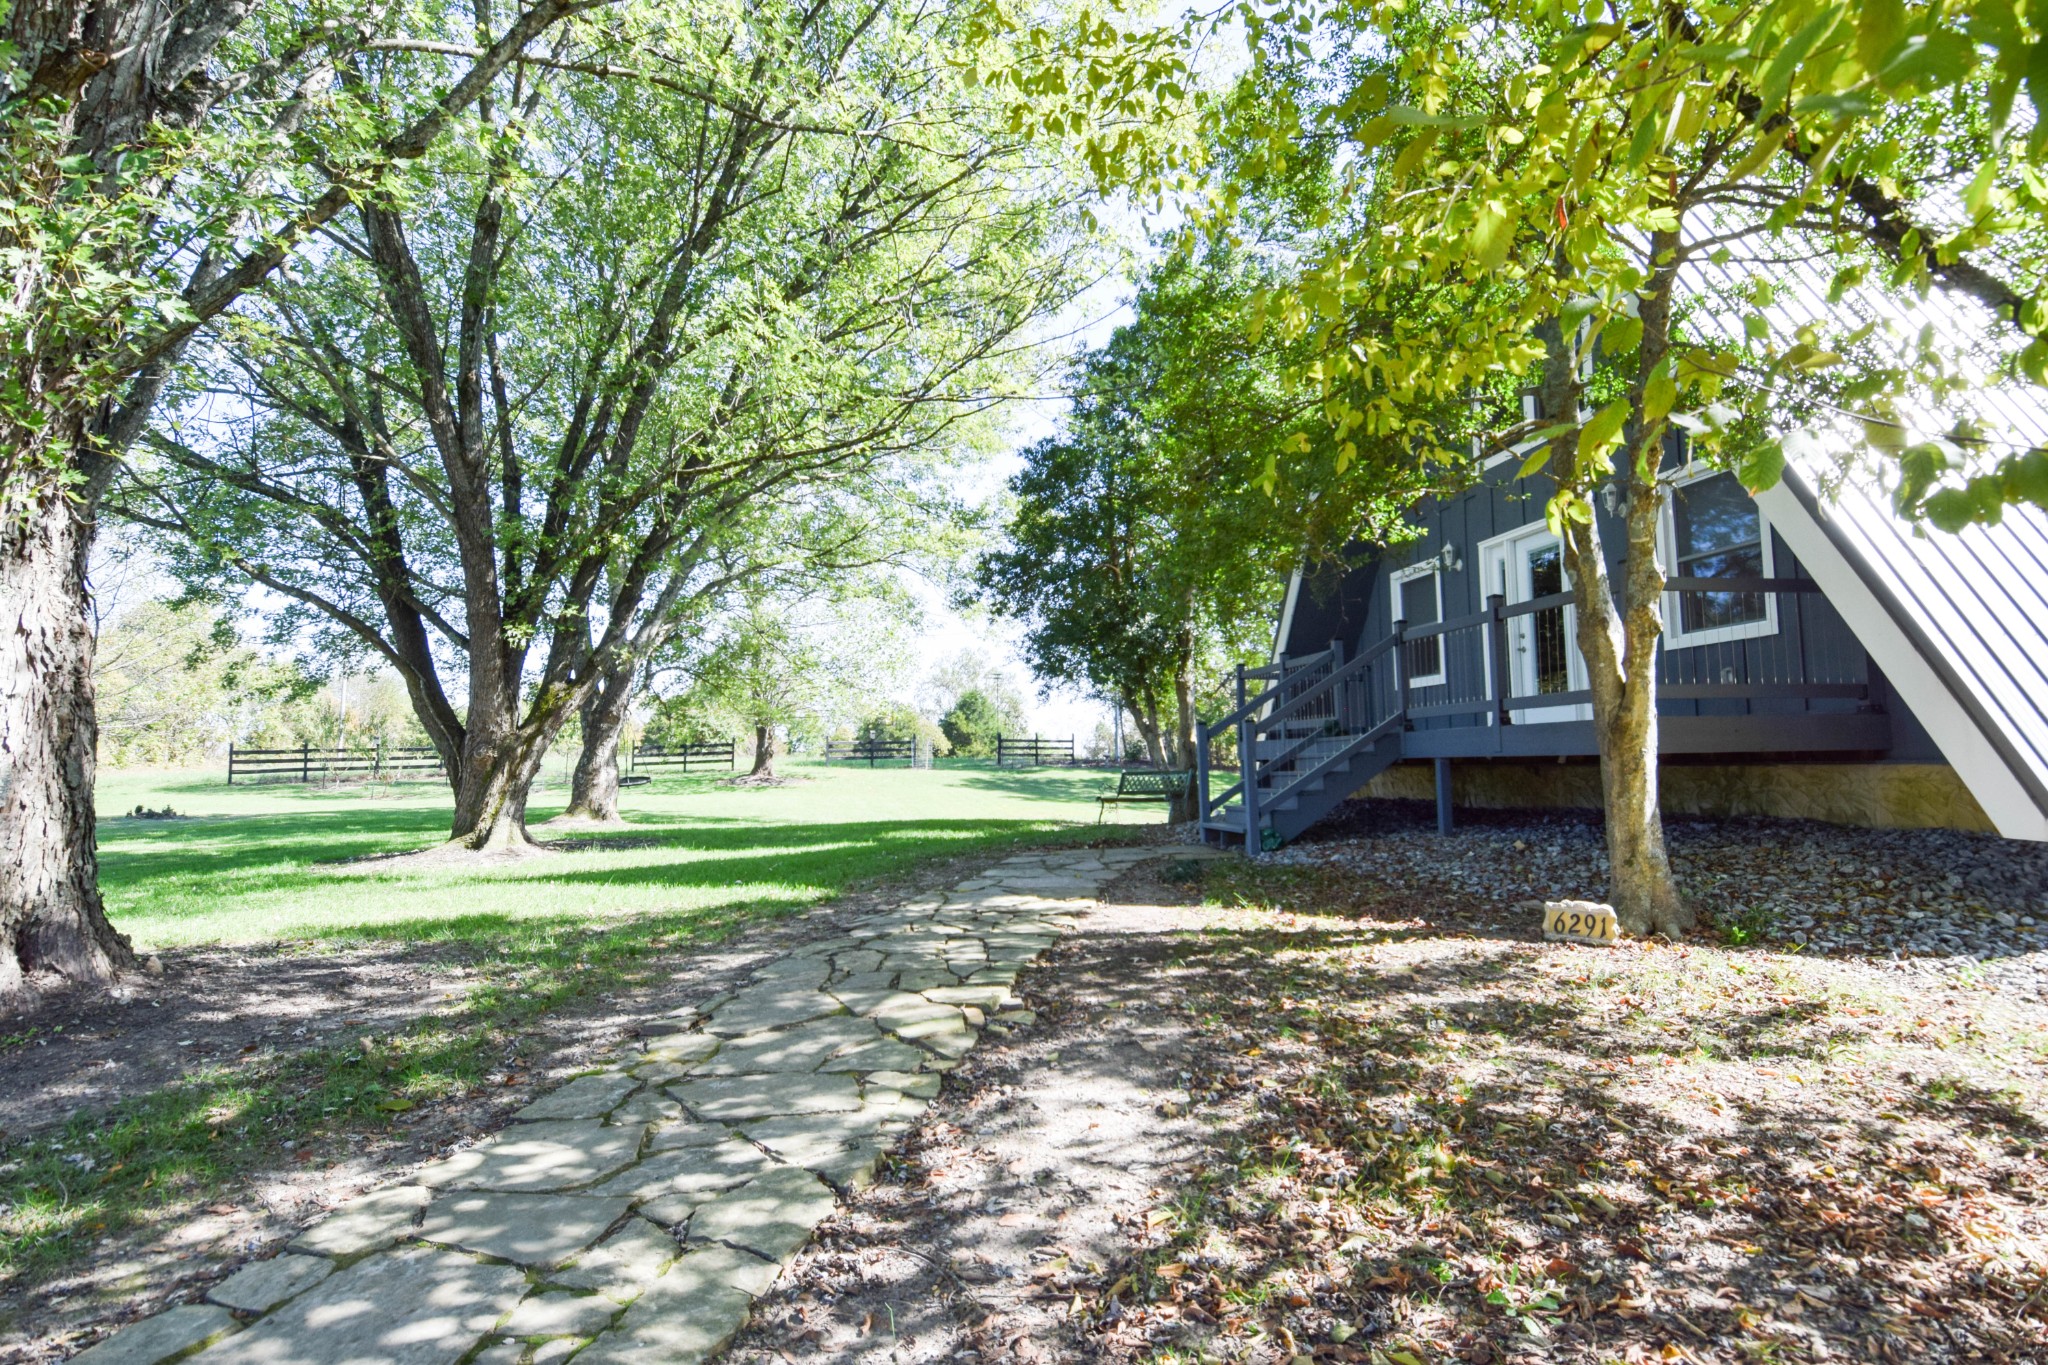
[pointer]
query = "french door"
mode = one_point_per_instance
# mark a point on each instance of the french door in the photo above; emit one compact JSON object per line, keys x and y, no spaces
{"x":1543,"y":651}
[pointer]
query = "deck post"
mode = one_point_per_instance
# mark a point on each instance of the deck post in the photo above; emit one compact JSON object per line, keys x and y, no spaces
{"x":1202,"y":778}
{"x":1240,"y":685}
{"x":1497,"y":674}
{"x":1399,"y":663}
{"x":1342,"y":689}
{"x":1443,"y":796}
{"x":1248,"y":767}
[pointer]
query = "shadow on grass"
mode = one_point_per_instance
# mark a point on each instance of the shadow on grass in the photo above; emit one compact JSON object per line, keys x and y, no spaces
{"x":1489,"y":1137}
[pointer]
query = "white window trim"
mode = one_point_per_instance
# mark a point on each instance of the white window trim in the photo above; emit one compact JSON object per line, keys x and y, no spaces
{"x":1676,"y":636}
{"x":1409,"y":575}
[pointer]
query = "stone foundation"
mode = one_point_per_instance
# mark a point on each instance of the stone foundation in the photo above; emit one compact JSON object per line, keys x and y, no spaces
{"x":1875,"y":795}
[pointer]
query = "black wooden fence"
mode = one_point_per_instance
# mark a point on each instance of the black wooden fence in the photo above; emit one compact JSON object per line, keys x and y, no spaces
{"x":871,"y":751}
{"x":1034,"y":752}
{"x":307,"y":764}
{"x":688,"y":757}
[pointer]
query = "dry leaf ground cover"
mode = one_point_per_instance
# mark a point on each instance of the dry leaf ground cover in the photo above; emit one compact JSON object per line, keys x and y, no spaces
{"x":1380,"y":1120}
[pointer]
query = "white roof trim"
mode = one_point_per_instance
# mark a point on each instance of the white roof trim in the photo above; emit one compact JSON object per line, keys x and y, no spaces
{"x":1286,"y":627}
{"x":1971,"y":746}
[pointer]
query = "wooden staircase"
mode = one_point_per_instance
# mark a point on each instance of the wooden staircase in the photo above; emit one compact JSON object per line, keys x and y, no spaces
{"x":1323,"y":728}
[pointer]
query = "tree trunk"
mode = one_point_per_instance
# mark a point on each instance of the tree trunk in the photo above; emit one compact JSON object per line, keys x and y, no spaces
{"x":1182,"y":807}
{"x":496,"y":777}
{"x":594,"y":790}
{"x":1619,"y":648}
{"x":52,"y":924}
{"x":764,"y":752}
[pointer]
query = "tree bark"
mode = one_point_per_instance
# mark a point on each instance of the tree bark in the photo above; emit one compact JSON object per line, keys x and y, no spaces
{"x":52,"y":923}
{"x":1182,"y":807}
{"x":1619,"y":645}
{"x":764,"y":752}
{"x":594,"y":789}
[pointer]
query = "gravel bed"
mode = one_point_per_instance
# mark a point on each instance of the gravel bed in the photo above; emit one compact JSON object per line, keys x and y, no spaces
{"x":1926,"y":900}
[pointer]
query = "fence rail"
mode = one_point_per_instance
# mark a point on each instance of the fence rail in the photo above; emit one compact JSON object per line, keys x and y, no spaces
{"x":1034,"y":752}
{"x":871,"y":751}
{"x":308,"y":764}
{"x":688,"y":757}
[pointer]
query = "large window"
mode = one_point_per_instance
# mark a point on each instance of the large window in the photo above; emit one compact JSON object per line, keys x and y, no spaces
{"x":1716,"y":531}
{"x":1419,"y":601}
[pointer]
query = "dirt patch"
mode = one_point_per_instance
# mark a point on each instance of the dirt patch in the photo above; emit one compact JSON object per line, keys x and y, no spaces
{"x":1045,"y":1160}
{"x":1414,"y":1132}
{"x":243,"y":1008}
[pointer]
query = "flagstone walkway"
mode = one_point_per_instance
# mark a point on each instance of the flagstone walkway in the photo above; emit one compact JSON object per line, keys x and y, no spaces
{"x":633,"y":1215}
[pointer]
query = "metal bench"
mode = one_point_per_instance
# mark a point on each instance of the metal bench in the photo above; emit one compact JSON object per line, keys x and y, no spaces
{"x":1144,"y":784}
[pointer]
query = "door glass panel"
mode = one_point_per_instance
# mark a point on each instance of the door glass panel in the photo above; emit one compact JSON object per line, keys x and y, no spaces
{"x":1553,"y":663}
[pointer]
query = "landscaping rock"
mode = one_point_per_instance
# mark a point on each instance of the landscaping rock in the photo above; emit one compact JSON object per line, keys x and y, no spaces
{"x":688,"y":1171}
{"x":560,"y":1315}
{"x":771,"y":1215}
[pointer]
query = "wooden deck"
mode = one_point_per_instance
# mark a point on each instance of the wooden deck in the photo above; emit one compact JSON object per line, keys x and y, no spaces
{"x":1503,"y":683}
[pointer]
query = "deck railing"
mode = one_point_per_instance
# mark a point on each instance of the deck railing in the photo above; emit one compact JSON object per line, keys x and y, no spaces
{"x":1732,"y":646}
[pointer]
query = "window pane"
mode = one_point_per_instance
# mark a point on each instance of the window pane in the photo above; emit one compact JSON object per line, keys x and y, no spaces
{"x":1418,"y":600}
{"x":1419,"y":608}
{"x":1713,"y":514}
{"x":1719,"y":536}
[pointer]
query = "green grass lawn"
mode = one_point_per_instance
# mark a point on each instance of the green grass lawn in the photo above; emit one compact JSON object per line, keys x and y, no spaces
{"x":270,"y":863}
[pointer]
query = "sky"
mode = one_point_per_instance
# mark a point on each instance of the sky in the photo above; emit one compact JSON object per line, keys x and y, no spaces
{"x":1061,"y":711}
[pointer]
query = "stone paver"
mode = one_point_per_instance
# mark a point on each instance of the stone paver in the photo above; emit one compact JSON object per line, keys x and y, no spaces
{"x":531,"y":1229}
{"x":622,"y":1264}
{"x":539,"y":1157}
{"x":263,"y":1286}
{"x":161,"y":1337}
{"x":415,"y":1306}
{"x":631,"y":1216}
{"x":586,"y":1097}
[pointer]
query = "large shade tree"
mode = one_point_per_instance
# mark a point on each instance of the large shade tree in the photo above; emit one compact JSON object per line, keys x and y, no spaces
{"x":1536,"y":184}
{"x":1545,"y":184}
{"x":157,"y":161}
{"x":1147,"y":539}
{"x":504,"y":427}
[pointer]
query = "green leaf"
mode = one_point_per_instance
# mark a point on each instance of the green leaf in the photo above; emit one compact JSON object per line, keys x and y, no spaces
{"x":1621,"y":335}
{"x":1603,"y":428}
{"x":1777,"y":77}
{"x":1761,"y":467}
{"x":1880,"y":24}
{"x":1928,"y":61}
{"x":1493,"y":234}
{"x":1952,"y":509}
{"x":394,"y":1106}
{"x":1538,"y":458}
{"x":1659,"y":394}
{"x":1412,"y":156}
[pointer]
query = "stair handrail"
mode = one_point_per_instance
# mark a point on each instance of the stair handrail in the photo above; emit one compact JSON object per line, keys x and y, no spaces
{"x":1391,"y":725}
{"x":1323,"y":685}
